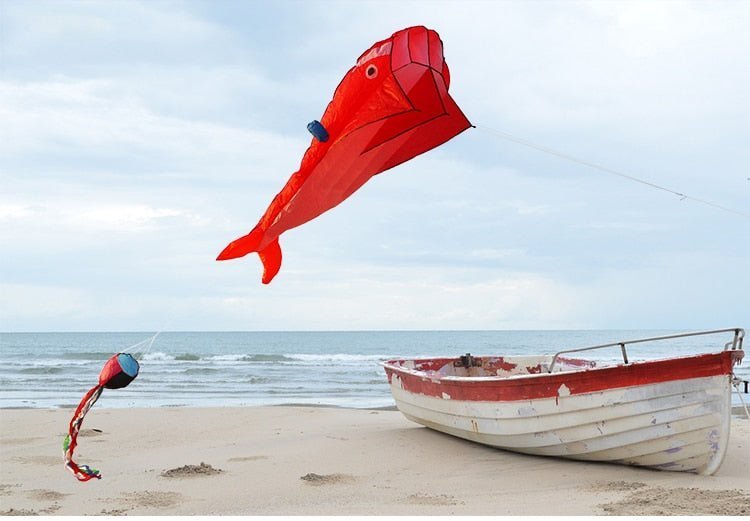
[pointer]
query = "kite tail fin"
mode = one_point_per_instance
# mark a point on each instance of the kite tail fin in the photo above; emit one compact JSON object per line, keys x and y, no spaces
{"x":270,"y":256}
{"x":242,"y":246}
{"x":82,"y":472}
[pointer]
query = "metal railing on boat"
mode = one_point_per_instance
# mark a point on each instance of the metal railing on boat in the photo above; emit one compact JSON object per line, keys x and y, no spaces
{"x":736,"y":343}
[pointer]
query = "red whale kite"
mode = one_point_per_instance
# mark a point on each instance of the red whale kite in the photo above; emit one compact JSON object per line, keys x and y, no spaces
{"x":390,"y":107}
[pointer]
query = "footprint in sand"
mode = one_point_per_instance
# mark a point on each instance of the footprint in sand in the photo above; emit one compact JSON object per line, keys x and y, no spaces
{"x":658,"y":501}
{"x":326,"y":479}
{"x":45,"y":495}
{"x":191,"y":471}
{"x":247,"y":458}
{"x":427,"y":499}
{"x":148,"y":498}
{"x":5,"y":490}
{"x":50,"y":461}
{"x":88,"y":433}
{"x":615,"y":486}
{"x":18,"y":512}
{"x":20,"y":441}
{"x":337,"y":438}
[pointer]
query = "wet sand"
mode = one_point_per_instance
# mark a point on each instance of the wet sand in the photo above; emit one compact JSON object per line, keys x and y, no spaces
{"x":325,"y":461}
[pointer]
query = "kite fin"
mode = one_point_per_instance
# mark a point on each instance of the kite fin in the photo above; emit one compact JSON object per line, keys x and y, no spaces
{"x":270,"y":256}
{"x":242,"y":246}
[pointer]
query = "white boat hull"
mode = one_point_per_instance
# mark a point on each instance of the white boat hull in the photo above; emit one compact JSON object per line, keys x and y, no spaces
{"x":669,"y":414}
{"x":680,"y":425}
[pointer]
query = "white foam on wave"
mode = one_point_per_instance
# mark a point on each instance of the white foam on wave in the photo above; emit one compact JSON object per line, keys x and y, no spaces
{"x":339,"y":357}
{"x":157,"y":356}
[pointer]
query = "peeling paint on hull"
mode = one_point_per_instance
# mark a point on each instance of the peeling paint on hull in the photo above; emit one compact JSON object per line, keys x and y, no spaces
{"x":670,"y":414}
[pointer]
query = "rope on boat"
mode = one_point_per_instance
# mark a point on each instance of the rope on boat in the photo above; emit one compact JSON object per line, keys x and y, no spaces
{"x":736,"y":384}
{"x":604,"y":169}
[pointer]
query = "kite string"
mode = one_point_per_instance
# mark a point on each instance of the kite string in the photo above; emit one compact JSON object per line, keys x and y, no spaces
{"x":138,"y":355}
{"x":568,"y":157}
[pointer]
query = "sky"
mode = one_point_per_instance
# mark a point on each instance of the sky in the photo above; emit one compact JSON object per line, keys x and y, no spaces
{"x":138,"y":138}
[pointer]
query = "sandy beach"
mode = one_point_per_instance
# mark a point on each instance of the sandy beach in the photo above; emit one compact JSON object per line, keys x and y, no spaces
{"x":325,"y":461}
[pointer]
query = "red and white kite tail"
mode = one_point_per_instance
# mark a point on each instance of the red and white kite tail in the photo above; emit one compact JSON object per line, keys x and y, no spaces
{"x":81,"y":472}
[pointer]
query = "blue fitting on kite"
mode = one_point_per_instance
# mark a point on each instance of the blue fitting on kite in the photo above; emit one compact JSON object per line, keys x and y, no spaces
{"x":317,"y":129}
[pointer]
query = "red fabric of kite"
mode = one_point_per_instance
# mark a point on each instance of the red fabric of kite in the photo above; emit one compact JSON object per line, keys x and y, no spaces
{"x":390,"y":107}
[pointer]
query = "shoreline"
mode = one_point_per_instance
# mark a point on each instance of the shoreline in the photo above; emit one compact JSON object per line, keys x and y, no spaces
{"x":312,"y":460}
{"x":736,"y":411}
{"x":291,"y":404}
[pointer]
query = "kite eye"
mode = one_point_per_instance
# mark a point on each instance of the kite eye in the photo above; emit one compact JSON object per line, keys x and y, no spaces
{"x":371,"y":72}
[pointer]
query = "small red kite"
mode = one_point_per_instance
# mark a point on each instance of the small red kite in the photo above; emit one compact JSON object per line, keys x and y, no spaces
{"x":117,"y":373}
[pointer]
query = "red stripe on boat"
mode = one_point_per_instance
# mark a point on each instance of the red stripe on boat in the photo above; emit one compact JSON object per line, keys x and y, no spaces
{"x":527,"y":387}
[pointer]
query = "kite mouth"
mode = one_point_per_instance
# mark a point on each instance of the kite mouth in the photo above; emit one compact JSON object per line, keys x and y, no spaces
{"x":128,"y":364}
{"x":417,"y":45}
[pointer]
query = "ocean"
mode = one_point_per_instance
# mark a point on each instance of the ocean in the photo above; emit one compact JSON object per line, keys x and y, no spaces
{"x":209,"y":369}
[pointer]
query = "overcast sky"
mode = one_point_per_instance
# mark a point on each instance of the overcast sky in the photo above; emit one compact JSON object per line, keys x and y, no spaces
{"x":138,"y":138}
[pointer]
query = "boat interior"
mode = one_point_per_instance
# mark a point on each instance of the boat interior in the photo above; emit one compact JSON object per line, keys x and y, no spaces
{"x":484,"y":366}
{"x":468,"y":366}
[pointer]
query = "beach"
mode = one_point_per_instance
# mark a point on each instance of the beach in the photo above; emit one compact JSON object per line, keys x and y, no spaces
{"x":305,"y":460}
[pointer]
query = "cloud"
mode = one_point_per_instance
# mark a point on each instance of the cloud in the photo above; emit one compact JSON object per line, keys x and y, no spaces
{"x":81,"y":125}
{"x":84,"y":35}
{"x":131,"y":218}
{"x":138,"y":138}
{"x":24,"y":306}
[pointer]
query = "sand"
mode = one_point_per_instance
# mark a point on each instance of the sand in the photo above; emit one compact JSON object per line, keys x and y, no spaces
{"x":325,"y":461}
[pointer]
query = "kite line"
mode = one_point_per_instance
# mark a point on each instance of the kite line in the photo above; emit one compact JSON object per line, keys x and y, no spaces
{"x":604,"y":169}
{"x":143,"y":351}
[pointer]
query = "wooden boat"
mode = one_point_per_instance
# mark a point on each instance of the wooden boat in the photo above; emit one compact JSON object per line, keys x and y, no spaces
{"x":669,"y":414}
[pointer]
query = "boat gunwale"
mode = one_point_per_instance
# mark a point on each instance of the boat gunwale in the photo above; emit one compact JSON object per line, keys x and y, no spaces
{"x":586,"y":365}
{"x":390,"y":364}
{"x":560,"y":384}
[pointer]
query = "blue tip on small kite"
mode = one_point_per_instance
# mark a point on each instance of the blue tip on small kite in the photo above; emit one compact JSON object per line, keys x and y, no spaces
{"x":128,"y":364}
{"x":317,"y":129}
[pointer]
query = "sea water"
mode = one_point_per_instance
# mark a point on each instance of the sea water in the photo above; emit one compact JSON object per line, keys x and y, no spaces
{"x":194,"y":369}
